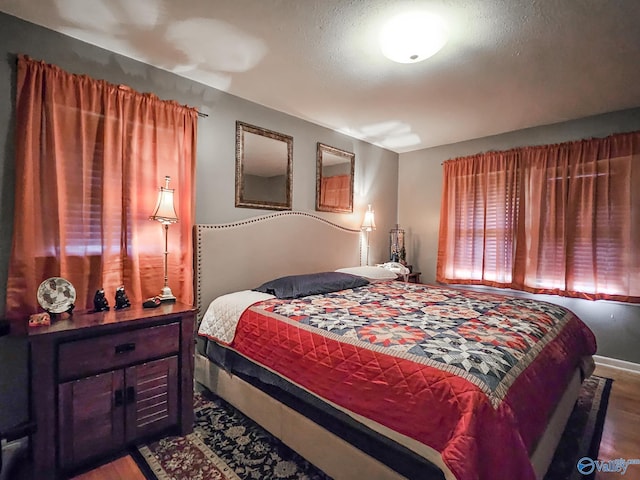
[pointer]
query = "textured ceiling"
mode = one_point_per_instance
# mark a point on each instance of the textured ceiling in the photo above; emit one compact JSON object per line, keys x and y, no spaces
{"x":508,"y":64}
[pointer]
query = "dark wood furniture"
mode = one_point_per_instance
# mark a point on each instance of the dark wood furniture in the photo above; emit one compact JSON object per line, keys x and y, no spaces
{"x":101,"y":381}
{"x":411,"y":277}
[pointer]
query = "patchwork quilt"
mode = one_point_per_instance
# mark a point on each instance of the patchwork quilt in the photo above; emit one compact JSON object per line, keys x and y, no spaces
{"x":472,"y":376}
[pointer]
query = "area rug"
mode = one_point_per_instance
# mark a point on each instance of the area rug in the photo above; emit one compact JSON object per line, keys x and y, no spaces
{"x":226,"y":445}
{"x":582,"y":435}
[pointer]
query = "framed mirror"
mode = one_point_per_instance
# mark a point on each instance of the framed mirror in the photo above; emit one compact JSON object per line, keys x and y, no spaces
{"x":334,"y":179}
{"x":263,"y":168}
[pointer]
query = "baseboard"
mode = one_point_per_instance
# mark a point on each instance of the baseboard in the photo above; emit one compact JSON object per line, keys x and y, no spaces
{"x":615,"y":363}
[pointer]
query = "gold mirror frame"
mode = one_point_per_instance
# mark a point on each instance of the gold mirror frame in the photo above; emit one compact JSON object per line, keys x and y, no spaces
{"x":336,"y":198}
{"x":264,"y":161}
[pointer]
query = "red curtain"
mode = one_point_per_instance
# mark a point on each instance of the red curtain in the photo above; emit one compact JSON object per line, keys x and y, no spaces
{"x":335,"y":191}
{"x":561,"y":219}
{"x":90,"y":158}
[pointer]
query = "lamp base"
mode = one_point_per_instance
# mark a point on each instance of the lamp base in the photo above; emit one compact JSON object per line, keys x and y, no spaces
{"x":166,"y":295}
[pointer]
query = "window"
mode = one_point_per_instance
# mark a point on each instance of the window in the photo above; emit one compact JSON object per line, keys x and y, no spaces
{"x":553,"y":219}
{"x":90,"y":157}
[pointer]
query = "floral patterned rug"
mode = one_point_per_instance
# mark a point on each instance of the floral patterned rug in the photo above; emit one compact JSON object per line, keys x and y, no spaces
{"x":226,"y":445}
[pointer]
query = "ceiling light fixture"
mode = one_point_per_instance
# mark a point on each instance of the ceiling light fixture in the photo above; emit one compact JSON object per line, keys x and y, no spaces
{"x":412,"y":37}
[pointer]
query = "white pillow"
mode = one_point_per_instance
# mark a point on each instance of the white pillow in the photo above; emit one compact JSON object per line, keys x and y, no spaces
{"x":370,"y":272}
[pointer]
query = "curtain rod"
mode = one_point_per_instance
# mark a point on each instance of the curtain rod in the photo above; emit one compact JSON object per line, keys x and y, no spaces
{"x":202,"y":115}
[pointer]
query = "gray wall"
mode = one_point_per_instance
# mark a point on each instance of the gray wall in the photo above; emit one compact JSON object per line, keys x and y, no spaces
{"x":376,"y":175}
{"x":616,"y":325}
{"x":265,"y":189}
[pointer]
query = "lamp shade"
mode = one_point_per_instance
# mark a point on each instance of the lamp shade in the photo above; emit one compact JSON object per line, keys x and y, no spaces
{"x":369,"y":222}
{"x":165,"y":212}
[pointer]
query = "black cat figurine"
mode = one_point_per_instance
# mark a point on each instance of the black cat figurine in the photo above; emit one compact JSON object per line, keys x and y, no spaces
{"x":100,"y":303}
{"x":122,"y":301}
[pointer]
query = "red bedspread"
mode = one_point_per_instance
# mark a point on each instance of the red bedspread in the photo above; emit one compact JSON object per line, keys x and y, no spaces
{"x":474,"y":376}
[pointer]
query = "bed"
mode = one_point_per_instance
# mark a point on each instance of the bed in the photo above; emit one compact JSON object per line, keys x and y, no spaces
{"x":440,"y":395}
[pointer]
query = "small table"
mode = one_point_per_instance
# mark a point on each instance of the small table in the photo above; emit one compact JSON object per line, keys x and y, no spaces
{"x":413,"y":277}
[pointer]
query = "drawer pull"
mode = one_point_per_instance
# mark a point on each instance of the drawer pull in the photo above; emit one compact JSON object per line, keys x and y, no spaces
{"x":131,"y":394}
{"x":125,"y":347}
{"x":118,"y":398}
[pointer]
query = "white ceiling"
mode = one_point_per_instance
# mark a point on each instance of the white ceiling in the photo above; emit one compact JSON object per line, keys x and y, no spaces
{"x":508,"y":64}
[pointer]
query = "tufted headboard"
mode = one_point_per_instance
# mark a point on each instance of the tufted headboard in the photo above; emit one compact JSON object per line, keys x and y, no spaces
{"x":244,"y":254}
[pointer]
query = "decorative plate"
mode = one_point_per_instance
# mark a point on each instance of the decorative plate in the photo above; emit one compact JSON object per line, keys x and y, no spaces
{"x":56,"y":295}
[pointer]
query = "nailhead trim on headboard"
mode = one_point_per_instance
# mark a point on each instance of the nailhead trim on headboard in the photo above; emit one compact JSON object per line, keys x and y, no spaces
{"x":263,"y":218}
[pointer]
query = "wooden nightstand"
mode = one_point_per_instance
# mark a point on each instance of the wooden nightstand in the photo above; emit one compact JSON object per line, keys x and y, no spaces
{"x":102,"y":381}
{"x":411,"y":277}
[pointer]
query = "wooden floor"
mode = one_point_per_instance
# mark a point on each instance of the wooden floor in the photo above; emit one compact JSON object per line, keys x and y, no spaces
{"x":124,"y":468}
{"x":621,"y":434}
{"x":620,"y":438}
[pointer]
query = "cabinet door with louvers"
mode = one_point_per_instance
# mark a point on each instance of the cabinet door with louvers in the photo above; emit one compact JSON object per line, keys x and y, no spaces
{"x":102,"y":413}
{"x":151,"y":395}
{"x":90,"y":417}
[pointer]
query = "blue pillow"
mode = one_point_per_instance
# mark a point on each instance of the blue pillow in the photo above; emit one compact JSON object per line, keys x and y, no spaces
{"x":296,"y":286}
